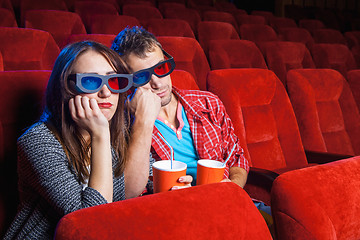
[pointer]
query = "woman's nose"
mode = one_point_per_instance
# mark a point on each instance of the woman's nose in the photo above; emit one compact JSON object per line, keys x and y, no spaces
{"x":104,"y":92}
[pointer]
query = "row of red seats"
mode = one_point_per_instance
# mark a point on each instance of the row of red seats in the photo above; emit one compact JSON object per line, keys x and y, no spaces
{"x":316,"y":121}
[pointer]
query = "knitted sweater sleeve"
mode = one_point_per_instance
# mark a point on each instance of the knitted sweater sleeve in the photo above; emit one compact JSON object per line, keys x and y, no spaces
{"x":44,"y":169}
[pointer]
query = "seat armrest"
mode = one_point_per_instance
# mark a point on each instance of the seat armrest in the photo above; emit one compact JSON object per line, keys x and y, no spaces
{"x":261,"y":177}
{"x":324,"y":157}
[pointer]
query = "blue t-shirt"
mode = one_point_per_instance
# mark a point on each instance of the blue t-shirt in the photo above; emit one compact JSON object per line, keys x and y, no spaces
{"x":181,"y":141}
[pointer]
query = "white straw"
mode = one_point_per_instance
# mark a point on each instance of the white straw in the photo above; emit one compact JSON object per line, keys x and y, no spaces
{"x":227,"y":159}
{"x":171,"y":150}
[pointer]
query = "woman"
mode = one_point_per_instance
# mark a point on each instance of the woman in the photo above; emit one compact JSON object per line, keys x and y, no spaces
{"x":81,"y":153}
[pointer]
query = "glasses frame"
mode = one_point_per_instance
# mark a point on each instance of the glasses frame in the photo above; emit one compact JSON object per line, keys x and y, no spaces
{"x":151,"y":69}
{"x":104,"y":78}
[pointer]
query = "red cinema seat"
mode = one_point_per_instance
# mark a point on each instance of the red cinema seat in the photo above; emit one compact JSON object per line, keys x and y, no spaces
{"x":328,"y":118}
{"x":217,"y":16}
{"x":59,"y":24}
{"x":334,"y":56}
{"x":105,"y":39}
{"x":352,"y":38}
{"x":311,"y":24}
{"x":183,"y":80}
{"x":235,"y":53}
{"x":170,"y":27}
{"x":264,"y":121}
{"x":1,"y":63}
{"x":27,"y":49}
{"x":26,"y":5}
{"x":353,"y":78}
{"x":161,"y":216}
{"x":87,"y":9}
{"x":283,"y":56}
{"x":142,"y":13}
{"x":208,"y":30}
{"x":7,"y":4}
{"x":296,"y":35}
{"x":163,"y":6}
{"x":258,"y":33}
{"x":21,"y":104}
{"x":7,"y":18}
{"x":282,"y":22}
{"x":189,"y":15}
{"x":328,"y":35}
{"x":225,"y":6}
{"x":318,"y":202}
{"x":266,"y":14}
{"x":99,"y":23}
{"x":188,"y":56}
{"x":249,"y":19}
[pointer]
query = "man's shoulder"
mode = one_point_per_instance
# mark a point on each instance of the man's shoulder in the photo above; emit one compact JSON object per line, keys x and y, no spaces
{"x":196,"y":94}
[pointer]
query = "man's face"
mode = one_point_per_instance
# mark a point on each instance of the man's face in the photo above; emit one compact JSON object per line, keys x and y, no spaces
{"x":160,"y":86}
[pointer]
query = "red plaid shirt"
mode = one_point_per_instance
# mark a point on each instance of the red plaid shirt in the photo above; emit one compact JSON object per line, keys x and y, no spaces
{"x":211,"y":129}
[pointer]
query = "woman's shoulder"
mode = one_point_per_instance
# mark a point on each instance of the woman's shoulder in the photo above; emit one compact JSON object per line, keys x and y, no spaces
{"x":36,"y":133}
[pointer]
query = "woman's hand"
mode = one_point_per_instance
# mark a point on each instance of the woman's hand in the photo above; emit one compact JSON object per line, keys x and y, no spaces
{"x":87,"y":114}
{"x":185,"y":179}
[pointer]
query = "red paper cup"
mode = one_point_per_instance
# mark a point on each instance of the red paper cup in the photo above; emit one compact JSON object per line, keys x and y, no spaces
{"x":209,"y":171}
{"x":165,"y":177}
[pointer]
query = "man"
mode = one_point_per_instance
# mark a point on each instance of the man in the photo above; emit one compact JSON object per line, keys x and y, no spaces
{"x":194,"y":123}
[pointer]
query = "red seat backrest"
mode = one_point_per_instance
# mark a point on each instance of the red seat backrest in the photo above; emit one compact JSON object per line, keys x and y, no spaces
{"x":99,"y":23}
{"x":105,"y":39}
{"x":328,"y":36}
{"x":183,"y":80}
{"x":170,"y":27}
{"x":7,"y":18}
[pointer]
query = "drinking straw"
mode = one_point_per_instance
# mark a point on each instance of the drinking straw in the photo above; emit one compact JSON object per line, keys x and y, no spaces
{"x":171,"y":150}
{"x":227,"y":159}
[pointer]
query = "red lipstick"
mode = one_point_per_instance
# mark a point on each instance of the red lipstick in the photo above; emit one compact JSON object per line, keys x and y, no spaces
{"x":105,"y":105}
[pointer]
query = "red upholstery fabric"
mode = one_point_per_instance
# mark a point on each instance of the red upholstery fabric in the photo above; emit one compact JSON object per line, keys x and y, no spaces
{"x":353,"y":78}
{"x":356,"y":53}
{"x":326,"y":111}
{"x":1,"y":143}
{"x":235,"y":53}
{"x":263,"y":118}
{"x":86,"y":9}
{"x":141,"y":12}
{"x":189,"y":15}
{"x":99,"y":24}
{"x":268,"y":15}
{"x":328,"y":36}
{"x":249,"y":19}
{"x":284,"y":56}
{"x":311,"y":24}
{"x":27,"y":49}
{"x":21,"y":103}
{"x":7,"y":4}
{"x":282,"y":22}
{"x":59,"y":24}
{"x":208,"y":30}
{"x":188,"y":56}
{"x":214,"y":211}
{"x":105,"y":39}
{"x":1,"y":63}
{"x":26,"y":5}
{"x":319,"y":203}
{"x":217,"y":16}
{"x":170,"y":27}
{"x":7,"y":18}
{"x":352,"y":38}
{"x":296,"y":35}
{"x":225,"y":6}
{"x":163,"y":6}
{"x":334,"y":56}
{"x":258,"y":33}
{"x":183,"y":80}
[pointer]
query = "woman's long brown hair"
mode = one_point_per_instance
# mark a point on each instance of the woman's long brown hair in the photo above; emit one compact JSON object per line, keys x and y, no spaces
{"x":57,"y":114}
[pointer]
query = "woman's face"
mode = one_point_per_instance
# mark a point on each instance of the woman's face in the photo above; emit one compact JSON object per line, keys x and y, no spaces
{"x":93,"y":62}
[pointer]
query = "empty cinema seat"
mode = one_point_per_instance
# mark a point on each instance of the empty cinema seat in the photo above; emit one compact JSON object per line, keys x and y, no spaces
{"x":208,"y":30}
{"x":353,"y":78}
{"x":352,"y":38}
{"x":282,"y":22}
{"x":249,"y":19}
{"x":27,"y":49}
{"x":188,"y":56}
{"x":283,"y":56}
{"x":235,"y":53}
{"x":311,"y":24}
{"x":326,"y":111}
{"x":7,"y":18}
{"x":189,"y":15}
{"x":26,"y":5}
{"x":264,"y":121}
{"x":141,"y":12}
{"x":99,"y":23}
{"x":328,"y":35}
{"x":217,"y":16}
{"x":60,"y":24}
{"x":105,"y":39}
{"x":296,"y":35}
{"x":334,"y":56}
{"x":21,"y":104}
{"x":1,"y":63}
{"x":258,"y":33}
{"x":170,"y":27}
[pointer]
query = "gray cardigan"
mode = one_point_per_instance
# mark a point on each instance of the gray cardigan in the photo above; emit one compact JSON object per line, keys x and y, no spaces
{"x":49,"y":187}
